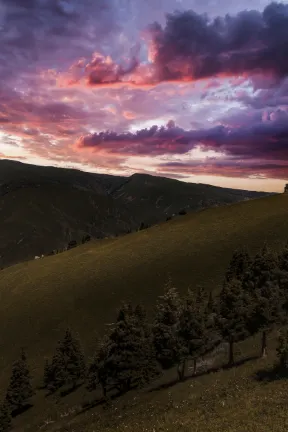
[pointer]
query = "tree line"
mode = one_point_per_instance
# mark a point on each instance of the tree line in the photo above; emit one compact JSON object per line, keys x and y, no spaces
{"x":137,"y":348}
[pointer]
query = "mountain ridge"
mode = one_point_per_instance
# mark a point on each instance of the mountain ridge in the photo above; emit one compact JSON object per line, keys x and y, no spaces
{"x":42,"y":209}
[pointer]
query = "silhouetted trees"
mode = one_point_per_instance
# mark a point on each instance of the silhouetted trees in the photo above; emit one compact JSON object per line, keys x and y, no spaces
{"x":194,"y":329}
{"x":125,"y":357}
{"x":20,"y":389}
{"x":267,"y":300}
{"x":67,"y":366}
{"x":239,"y":265}
{"x":253,"y":299}
{"x":182,"y":212}
{"x":166,"y":328}
{"x":233,"y":314}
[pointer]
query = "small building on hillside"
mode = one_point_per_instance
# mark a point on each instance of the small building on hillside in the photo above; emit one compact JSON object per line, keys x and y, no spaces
{"x":286,"y":189}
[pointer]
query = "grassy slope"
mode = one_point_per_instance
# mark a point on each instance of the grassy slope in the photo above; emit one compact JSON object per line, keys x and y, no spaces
{"x":43,"y":208}
{"x":231,"y":400}
{"x":84,"y":286}
{"x":226,"y":400}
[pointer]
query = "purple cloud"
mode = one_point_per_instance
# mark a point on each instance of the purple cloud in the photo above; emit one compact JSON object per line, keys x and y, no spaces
{"x":262,"y":139}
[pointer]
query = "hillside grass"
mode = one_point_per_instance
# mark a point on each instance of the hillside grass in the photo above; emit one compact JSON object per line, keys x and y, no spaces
{"x":82,"y":288}
{"x":248,"y":397}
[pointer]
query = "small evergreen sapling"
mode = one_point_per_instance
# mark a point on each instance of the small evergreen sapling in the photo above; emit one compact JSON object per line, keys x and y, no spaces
{"x":67,"y":366}
{"x":20,"y":389}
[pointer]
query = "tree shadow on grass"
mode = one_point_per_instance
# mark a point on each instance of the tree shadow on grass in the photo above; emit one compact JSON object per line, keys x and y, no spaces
{"x":203,"y":373}
{"x":98,"y":402}
{"x":21,"y":410}
{"x":274,"y":373}
{"x":62,"y":393}
{"x":70,"y":390}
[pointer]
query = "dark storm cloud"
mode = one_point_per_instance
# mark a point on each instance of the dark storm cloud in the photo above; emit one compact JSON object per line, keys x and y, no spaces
{"x":191,"y":46}
{"x":265,"y":140}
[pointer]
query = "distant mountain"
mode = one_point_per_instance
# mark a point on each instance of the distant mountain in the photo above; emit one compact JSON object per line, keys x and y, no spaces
{"x":44,"y":208}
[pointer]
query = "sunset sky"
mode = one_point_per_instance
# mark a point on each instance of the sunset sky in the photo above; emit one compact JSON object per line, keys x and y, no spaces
{"x":195,"y":90}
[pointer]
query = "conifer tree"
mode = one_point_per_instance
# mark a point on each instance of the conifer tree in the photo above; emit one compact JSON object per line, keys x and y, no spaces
{"x":267,"y":311}
{"x":239,"y":265}
{"x":68,"y":364}
{"x":125,"y":358}
{"x":98,"y":372}
{"x":19,"y":390}
{"x":262,"y":269}
{"x":193,"y":329}
{"x":166,"y":327}
{"x":53,"y":374}
{"x":267,"y":299}
{"x":234,"y":310}
{"x":211,"y":313}
{"x":5,"y":418}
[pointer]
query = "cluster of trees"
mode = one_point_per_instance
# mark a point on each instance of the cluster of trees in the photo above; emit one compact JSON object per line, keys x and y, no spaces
{"x":253,"y":299}
{"x":72,"y":244}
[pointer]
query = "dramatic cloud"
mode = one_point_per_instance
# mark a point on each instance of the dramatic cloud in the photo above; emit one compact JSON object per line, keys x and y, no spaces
{"x":70,"y":69}
{"x":264,"y":139}
{"x":191,"y":47}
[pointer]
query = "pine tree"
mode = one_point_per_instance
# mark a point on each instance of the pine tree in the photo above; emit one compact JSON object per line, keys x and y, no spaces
{"x":239,"y":265}
{"x":193,"y":329}
{"x":267,"y":311}
{"x":165,"y":329}
{"x":68,"y":364}
{"x":282,"y":350}
{"x":132,"y":357}
{"x":262,"y":269}
{"x":5,"y":418}
{"x":19,"y":390}
{"x":98,"y":372}
{"x":125,"y":358}
{"x":267,"y":299}
{"x":53,"y":374}
{"x":234,"y":310}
